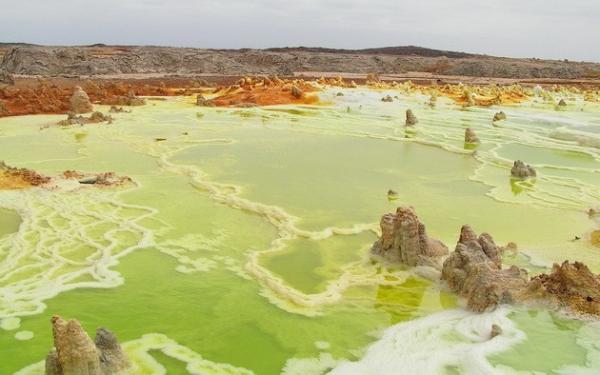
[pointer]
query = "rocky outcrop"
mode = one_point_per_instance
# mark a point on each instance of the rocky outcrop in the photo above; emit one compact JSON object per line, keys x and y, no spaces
{"x":17,"y":178}
{"x":387,"y":99}
{"x":75,"y":353}
{"x":470,"y":136}
{"x":570,"y":286}
{"x":411,"y":119}
{"x":80,"y":102}
{"x":297,"y":92}
{"x":95,"y":118}
{"x":98,"y":179}
{"x":499,"y":116}
{"x":522,"y":170}
{"x":6,"y":78}
{"x":562,"y":103}
{"x":404,"y":240}
{"x":474,"y":271}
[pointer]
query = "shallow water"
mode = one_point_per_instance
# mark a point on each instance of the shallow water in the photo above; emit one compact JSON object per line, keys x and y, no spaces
{"x":244,"y":244}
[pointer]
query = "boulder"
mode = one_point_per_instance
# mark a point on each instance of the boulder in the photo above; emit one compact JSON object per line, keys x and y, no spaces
{"x":404,"y":240}
{"x":411,"y":119}
{"x":499,"y":116}
{"x":522,"y":170}
{"x":297,"y":92}
{"x":387,"y":99}
{"x":80,"y":102}
{"x":470,"y":136}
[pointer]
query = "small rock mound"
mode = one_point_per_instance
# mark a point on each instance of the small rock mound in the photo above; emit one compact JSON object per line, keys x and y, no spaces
{"x":203,"y":102}
{"x":80,"y":102}
{"x":470,"y":136}
{"x":75,"y":353}
{"x":387,"y":99}
{"x":404,"y":239}
{"x":411,"y":119}
{"x":499,"y":116}
{"x":297,"y":92}
{"x":522,"y":170}
{"x":95,"y":118}
{"x":562,"y":103}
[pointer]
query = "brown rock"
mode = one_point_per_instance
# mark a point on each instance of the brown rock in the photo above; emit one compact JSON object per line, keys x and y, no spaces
{"x":297,"y":93}
{"x":571,"y":286}
{"x":80,"y":102}
{"x":470,"y":136}
{"x":474,"y":271}
{"x":203,"y":102}
{"x":411,"y":119}
{"x":496,"y":330}
{"x":562,"y":103}
{"x":95,"y":118}
{"x":387,"y":99}
{"x":404,"y":240}
{"x":521,"y":170}
{"x":74,"y":352}
{"x":499,"y":116}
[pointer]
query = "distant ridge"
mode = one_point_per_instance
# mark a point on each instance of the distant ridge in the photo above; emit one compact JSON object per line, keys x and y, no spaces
{"x":398,"y":51}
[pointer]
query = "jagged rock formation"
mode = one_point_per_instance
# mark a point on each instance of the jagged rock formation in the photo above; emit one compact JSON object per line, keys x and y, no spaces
{"x":521,"y":170}
{"x":570,"y":286}
{"x":74,"y":352}
{"x":562,"y":103}
{"x":6,"y":78}
{"x":80,"y":102}
{"x":297,"y":92}
{"x":470,"y":136}
{"x":95,"y":118}
{"x":499,"y":116}
{"x":404,"y":240}
{"x":474,"y":271}
{"x":411,"y":119}
{"x":115,"y":109}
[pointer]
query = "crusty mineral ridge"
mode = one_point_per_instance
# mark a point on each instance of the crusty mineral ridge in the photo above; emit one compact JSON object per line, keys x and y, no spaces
{"x":570,"y":286}
{"x":411,"y":119}
{"x":80,"y":102}
{"x":474,"y":270}
{"x":128,"y":100}
{"x":521,"y":170}
{"x":470,"y":136}
{"x":95,"y":118}
{"x":75,"y":353}
{"x":404,"y":239}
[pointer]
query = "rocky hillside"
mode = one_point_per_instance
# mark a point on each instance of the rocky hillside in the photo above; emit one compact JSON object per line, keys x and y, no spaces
{"x":102,"y":60}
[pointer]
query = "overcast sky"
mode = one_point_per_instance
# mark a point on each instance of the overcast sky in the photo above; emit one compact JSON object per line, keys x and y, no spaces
{"x":521,"y":28}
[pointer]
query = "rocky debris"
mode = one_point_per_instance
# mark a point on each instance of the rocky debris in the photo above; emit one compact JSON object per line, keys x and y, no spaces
{"x":115,"y":109}
{"x":474,"y":271}
{"x":392,"y":195}
{"x":432,"y":101}
{"x":404,"y":240}
{"x":470,"y":136}
{"x":95,"y":118}
{"x":387,"y":99}
{"x":499,"y":116}
{"x":521,"y":170}
{"x":99,"y":179}
{"x":80,"y":102}
{"x":130,"y":100}
{"x":570,"y":286}
{"x":75,"y":353}
{"x":496,"y":331}
{"x":339,"y":94}
{"x":411,"y":119}
{"x":562,"y":103}
{"x":203,"y":102}
{"x":11,"y":177}
{"x":6,"y":78}
{"x":297,"y":92}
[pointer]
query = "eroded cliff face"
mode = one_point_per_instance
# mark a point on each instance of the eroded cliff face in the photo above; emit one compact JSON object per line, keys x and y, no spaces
{"x":404,"y":239}
{"x":75,"y":353}
{"x":474,"y":270}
